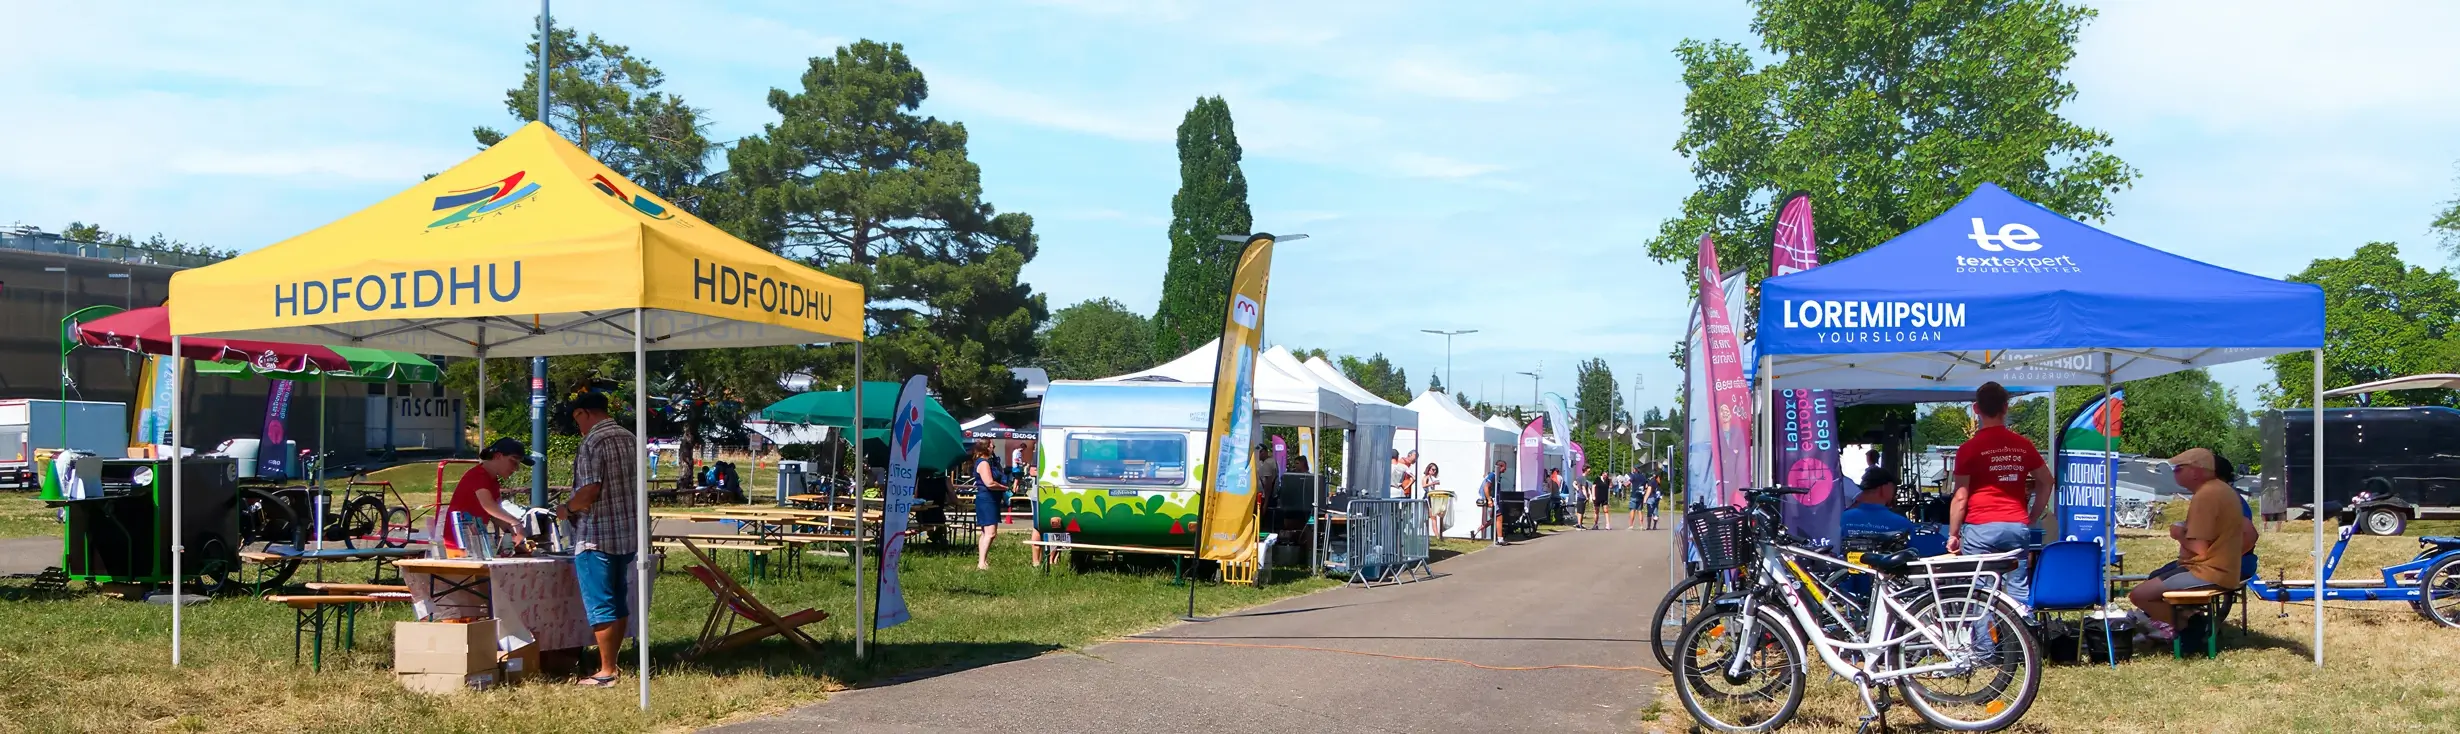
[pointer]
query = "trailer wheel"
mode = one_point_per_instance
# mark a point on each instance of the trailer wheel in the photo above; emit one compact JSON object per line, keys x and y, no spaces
{"x":2383,"y":521}
{"x":2438,"y":592}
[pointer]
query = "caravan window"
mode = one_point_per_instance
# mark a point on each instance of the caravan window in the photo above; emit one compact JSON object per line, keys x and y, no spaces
{"x":1128,"y":458}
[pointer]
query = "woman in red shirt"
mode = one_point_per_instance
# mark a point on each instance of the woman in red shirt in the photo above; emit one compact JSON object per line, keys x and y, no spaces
{"x":480,"y":491}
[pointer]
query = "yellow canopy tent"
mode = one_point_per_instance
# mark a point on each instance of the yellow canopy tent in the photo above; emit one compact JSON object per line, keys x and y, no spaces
{"x":530,"y":248}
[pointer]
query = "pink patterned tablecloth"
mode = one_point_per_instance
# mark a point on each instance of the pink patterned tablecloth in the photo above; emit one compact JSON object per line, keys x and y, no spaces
{"x":533,"y":599}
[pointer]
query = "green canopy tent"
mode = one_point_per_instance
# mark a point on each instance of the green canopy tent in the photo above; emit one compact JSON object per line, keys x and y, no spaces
{"x":942,"y":443}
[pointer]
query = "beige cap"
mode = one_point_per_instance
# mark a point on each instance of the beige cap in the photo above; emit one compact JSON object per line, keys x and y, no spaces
{"x":2199,"y":458}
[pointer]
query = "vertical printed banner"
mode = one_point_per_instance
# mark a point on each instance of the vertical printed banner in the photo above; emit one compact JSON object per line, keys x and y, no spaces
{"x":154,"y":398}
{"x":1533,"y":457}
{"x":2087,"y":468}
{"x":905,"y":430}
{"x":1559,"y":413}
{"x":1230,"y":498}
{"x":1281,"y":456}
{"x":1699,"y":406}
{"x":269,"y":454}
{"x":1729,"y":393}
{"x":1306,"y":448}
{"x":1807,"y":441}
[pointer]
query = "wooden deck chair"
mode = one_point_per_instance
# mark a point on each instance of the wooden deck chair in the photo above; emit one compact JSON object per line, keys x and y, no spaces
{"x":717,"y":631}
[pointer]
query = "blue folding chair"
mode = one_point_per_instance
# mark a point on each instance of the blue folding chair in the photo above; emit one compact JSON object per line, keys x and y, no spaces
{"x":2068,"y":578}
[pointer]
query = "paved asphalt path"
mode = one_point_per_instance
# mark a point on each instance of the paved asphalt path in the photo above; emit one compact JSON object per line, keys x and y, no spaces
{"x":28,"y":555}
{"x":1572,"y":598}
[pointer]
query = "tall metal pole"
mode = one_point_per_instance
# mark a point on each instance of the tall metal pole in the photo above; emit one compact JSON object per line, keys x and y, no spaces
{"x":2315,"y":516}
{"x":178,"y":506}
{"x":538,"y":365}
{"x":1449,"y":386}
{"x":862,"y":467}
{"x":641,"y":577}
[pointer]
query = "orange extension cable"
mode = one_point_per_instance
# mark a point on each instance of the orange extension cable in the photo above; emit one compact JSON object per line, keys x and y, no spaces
{"x":1207,"y":643}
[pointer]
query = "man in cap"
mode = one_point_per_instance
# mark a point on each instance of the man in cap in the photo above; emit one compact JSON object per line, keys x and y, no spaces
{"x":2211,"y":543}
{"x":480,"y":492}
{"x":605,"y":511}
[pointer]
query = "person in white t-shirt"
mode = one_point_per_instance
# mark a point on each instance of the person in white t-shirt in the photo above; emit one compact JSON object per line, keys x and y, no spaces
{"x":1404,"y":478}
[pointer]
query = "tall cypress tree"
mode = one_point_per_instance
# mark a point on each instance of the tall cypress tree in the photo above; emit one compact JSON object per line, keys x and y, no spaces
{"x":1212,"y":201}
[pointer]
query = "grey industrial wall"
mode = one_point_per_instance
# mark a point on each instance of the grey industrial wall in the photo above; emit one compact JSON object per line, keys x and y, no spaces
{"x":216,"y":408}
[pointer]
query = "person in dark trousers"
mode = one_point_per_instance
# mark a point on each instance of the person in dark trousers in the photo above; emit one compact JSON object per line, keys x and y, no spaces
{"x":988,"y":502}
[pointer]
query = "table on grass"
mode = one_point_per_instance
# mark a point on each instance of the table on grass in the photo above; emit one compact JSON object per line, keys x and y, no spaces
{"x":533,"y":598}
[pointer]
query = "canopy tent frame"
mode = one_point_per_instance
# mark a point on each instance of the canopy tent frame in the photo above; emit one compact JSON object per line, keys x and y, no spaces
{"x":598,"y":248}
{"x":2035,"y":319}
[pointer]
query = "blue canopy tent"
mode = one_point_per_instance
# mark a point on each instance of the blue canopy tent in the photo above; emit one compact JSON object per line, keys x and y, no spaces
{"x":2000,"y":289}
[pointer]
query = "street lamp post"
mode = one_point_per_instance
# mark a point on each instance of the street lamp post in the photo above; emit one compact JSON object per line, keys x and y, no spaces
{"x":1536,"y":378}
{"x":1447,"y":335}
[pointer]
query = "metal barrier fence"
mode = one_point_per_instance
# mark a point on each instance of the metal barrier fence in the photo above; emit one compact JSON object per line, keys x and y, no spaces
{"x":1383,"y":541}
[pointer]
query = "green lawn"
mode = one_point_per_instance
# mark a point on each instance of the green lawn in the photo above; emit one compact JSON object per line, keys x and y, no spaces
{"x":22,"y":516}
{"x":90,"y":663}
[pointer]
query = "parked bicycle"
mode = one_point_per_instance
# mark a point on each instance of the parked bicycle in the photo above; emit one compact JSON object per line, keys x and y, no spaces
{"x":1936,"y":632}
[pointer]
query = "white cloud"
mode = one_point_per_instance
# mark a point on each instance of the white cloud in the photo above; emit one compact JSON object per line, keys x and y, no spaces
{"x":980,"y":98}
{"x":1423,"y":165}
{"x":2277,"y":66}
{"x":1447,"y":79}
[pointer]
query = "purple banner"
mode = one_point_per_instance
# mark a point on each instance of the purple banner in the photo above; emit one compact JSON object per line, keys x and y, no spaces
{"x":270,"y":456}
{"x":1807,"y":440}
{"x":1729,"y":393}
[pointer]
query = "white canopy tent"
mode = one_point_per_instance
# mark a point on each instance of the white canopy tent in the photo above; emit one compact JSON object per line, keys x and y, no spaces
{"x":1282,"y":398}
{"x":1374,"y":440}
{"x":1465,"y":447}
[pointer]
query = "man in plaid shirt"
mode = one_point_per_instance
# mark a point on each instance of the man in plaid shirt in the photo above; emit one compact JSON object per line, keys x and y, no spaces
{"x":605,"y":510}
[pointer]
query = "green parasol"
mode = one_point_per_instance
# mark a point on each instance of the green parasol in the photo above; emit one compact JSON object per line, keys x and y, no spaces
{"x":942,"y":443}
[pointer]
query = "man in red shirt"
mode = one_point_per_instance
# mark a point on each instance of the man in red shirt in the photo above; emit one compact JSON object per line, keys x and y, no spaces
{"x":2001,"y":485}
{"x":480,"y":492}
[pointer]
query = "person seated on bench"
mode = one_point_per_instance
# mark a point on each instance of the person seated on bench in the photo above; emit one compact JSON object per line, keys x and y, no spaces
{"x":480,"y":492}
{"x":2210,"y":543}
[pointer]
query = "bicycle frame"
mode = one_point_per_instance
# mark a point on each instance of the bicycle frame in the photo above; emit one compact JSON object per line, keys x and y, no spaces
{"x":1886,"y":612}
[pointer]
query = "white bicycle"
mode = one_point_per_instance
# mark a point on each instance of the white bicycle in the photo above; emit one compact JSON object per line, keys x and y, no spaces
{"x":1935,"y":631}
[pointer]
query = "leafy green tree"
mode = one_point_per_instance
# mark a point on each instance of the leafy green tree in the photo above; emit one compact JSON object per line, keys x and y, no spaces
{"x":607,"y":102}
{"x":1598,"y":400}
{"x":852,"y":180}
{"x":94,"y":233}
{"x":2447,"y":225}
{"x":1212,"y":201}
{"x":2382,"y":318}
{"x":1096,"y":338}
{"x":1943,"y":425}
{"x":1377,"y":375}
{"x":1888,"y":112}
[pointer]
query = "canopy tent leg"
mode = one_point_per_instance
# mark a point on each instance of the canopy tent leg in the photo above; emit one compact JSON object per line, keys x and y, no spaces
{"x":482,"y":391}
{"x":178,"y":497}
{"x":1315,"y":515}
{"x":1766,"y":472}
{"x":2315,"y":517}
{"x":862,"y":467}
{"x":2109,"y":507}
{"x":640,"y":517}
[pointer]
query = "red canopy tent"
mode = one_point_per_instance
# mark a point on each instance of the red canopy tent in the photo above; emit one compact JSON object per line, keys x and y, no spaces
{"x":148,"y":331}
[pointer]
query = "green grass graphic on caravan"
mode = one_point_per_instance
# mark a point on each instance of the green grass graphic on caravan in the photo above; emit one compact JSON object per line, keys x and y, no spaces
{"x":1123,"y":463}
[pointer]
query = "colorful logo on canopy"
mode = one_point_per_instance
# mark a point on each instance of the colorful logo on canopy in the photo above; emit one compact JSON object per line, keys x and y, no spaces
{"x":640,"y":204}
{"x":470,"y":204}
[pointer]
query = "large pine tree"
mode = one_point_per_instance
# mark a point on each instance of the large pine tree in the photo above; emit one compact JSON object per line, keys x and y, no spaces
{"x":1212,"y":201}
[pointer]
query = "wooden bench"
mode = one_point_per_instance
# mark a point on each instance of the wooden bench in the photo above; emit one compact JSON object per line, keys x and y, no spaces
{"x":308,"y":618}
{"x":756,"y":554}
{"x":1178,"y":556}
{"x":2188,"y":607}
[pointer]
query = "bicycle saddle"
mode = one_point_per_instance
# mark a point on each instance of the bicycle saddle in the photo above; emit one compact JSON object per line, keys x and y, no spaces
{"x":1778,"y":491}
{"x":1893,"y":563}
{"x":2440,"y":542}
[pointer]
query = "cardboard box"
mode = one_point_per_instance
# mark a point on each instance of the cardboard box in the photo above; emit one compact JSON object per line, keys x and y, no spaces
{"x":444,"y":683}
{"x":455,"y":648}
{"x":520,"y":663}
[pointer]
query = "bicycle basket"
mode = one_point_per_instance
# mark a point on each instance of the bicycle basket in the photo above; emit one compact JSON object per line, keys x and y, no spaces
{"x":1721,"y":535}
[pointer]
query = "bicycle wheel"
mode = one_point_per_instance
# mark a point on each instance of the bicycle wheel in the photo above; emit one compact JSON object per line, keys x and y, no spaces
{"x":362,"y":522}
{"x":1763,"y":695}
{"x":396,"y":528}
{"x":1998,"y":664}
{"x":1682,"y":603}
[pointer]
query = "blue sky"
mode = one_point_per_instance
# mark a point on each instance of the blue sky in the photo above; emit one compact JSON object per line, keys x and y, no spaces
{"x":1459,"y":164}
